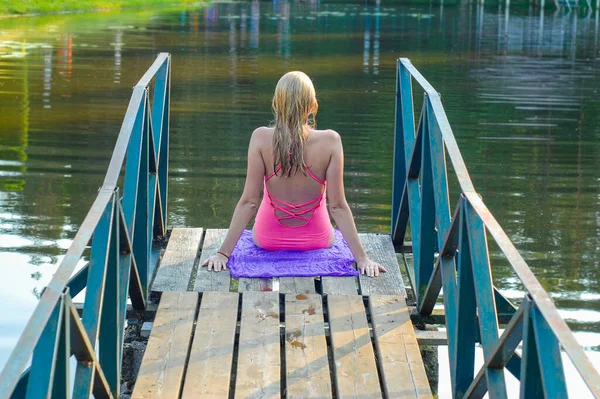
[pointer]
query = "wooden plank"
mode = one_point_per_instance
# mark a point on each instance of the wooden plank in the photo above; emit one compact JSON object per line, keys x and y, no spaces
{"x":355,"y":370}
{"x":297,"y":285}
{"x":161,"y":372}
{"x":307,"y":364}
{"x":431,"y":338}
{"x":259,"y":362}
{"x":339,"y":285}
{"x":211,"y":280}
{"x":175,"y":269}
{"x":255,"y":284}
{"x":408,"y":260}
{"x":380,"y":249}
{"x":209,"y":367}
{"x":402,"y":368}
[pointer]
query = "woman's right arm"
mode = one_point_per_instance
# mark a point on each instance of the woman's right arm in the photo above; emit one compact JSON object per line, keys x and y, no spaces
{"x":341,"y":212}
{"x":246,"y":206}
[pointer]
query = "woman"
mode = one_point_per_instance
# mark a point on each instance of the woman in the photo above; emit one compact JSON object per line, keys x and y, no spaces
{"x":296,"y":165}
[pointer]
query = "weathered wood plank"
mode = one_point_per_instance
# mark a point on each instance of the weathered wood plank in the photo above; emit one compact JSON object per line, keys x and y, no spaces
{"x":431,"y":338}
{"x":355,"y":370}
{"x":380,"y":249}
{"x":307,"y":365}
{"x":259,"y":362}
{"x":297,"y":285}
{"x":403,"y":372}
{"x":175,"y":269}
{"x":161,"y":372}
{"x":255,"y":284}
{"x":339,"y":285}
{"x":211,"y":280}
{"x":209,"y":368}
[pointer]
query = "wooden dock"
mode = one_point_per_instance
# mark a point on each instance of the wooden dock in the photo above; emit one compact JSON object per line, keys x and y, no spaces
{"x":328,"y":337}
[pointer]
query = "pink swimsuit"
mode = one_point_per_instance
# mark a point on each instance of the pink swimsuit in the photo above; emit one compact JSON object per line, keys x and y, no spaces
{"x":273,"y":235}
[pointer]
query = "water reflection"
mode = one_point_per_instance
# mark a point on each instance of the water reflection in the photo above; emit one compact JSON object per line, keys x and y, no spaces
{"x":519,"y":88}
{"x":118,"y":45}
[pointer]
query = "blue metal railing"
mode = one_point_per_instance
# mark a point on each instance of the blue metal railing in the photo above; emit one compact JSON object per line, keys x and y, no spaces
{"x":452,"y":253}
{"x":122,"y":229}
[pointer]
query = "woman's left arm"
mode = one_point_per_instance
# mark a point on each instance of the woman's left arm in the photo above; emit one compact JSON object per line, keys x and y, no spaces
{"x":246,"y":206}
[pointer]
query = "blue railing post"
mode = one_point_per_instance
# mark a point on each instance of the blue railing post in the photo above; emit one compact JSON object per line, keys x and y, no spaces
{"x":132,"y":167}
{"x":111,"y":324}
{"x":531,"y":376}
{"x":160,"y":130}
{"x":404,"y":137}
{"x":424,"y":267}
{"x":95,"y":294}
{"x":484,"y":295}
{"x":466,"y":311}
{"x":140,"y":233}
{"x":163,"y":164}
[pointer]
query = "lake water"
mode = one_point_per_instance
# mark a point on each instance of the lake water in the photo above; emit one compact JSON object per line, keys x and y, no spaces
{"x":520,"y":89}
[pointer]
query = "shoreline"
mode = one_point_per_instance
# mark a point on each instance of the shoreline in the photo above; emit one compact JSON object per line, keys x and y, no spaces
{"x":37,"y":10}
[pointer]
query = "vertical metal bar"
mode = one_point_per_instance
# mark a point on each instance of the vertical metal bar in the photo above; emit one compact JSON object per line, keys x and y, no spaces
{"x":440,"y":176}
{"x":129,"y":272}
{"x":95,"y":294}
{"x":163,"y":164}
{"x":427,"y":221}
{"x":132,"y":169}
{"x":152,"y":183}
{"x":125,"y":260}
{"x":550,"y":361}
{"x":43,"y":363}
{"x":466,"y":323}
{"x":61,"y":388}
{"x":111,"y":325}
{"x":399,"y":167}
{"x":152,"y":151}
{"x":531,"y":378}
{"x":412,"y":191}
{"x":404,"y":138}
{"x":159,"y":112}
{"x":158,"y":105}
{"x":484,"y":294}
{"x":140,"y":237}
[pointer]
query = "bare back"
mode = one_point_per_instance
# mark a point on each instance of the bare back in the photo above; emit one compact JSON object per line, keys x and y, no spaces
{"x":298,"y":188}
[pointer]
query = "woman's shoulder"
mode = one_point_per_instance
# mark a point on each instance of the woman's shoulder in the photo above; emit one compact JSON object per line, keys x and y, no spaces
{"x":327,"y":138}
{"x":328,"y":135}
{"x":263,"y":132}
{"x":262,"y":136}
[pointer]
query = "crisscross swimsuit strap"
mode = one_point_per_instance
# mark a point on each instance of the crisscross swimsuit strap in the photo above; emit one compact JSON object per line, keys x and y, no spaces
{"x":294,"y":211}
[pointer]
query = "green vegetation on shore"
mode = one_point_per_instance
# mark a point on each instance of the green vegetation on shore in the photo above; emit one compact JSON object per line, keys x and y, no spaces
{"x":17,"y":7}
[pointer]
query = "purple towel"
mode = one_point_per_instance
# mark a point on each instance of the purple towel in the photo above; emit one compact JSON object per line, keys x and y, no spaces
{"x":248,"y":260}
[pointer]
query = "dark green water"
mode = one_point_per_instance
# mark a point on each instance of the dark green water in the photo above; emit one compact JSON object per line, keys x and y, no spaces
{"x":520,"y":90}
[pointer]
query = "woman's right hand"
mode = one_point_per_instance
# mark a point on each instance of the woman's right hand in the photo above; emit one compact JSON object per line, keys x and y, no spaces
{"x":370,"y":268}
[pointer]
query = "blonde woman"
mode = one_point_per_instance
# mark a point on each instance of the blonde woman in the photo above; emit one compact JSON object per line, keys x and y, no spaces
{"x":296,"y":166}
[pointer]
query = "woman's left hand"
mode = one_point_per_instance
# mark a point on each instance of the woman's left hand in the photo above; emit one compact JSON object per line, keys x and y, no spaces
{"x":370,"y":268}
{"x":216,"y":262}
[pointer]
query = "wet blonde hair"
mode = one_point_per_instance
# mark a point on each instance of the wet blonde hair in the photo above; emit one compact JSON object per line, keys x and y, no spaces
{"x":295,"y":107}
